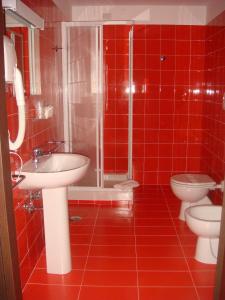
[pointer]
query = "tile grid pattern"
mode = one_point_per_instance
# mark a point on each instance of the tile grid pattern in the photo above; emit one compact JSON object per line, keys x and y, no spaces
{"x":88,"y":254}
{"x":180,"y":244}
{"x":136,"y":252}
{"x":168,"y":100}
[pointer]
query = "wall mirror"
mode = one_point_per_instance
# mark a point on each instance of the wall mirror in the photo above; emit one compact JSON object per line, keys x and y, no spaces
{"x":23,"y":26}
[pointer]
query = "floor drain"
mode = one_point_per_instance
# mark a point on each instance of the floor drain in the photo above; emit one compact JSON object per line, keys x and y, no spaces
{"x":75,"y":218}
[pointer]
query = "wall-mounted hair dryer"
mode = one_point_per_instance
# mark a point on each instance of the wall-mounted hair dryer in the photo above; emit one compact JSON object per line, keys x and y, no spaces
{"x":13,"y":75}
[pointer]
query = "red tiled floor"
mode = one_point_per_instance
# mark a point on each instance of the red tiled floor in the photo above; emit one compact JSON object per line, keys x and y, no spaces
{"x":138,"y":252}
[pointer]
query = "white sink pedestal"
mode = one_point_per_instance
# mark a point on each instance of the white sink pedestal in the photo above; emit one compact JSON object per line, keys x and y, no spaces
{"x":56,"y":227}
{"x":53,"y":173}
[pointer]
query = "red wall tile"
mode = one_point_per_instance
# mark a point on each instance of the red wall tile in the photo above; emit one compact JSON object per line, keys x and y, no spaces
{"x":116,"y":98}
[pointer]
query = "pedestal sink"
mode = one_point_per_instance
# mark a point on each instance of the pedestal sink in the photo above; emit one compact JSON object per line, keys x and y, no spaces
{"x":53,"y":173}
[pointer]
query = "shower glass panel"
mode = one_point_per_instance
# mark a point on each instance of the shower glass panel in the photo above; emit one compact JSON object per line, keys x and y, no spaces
{"x":98,"y":98}
{"x":84,"y":96}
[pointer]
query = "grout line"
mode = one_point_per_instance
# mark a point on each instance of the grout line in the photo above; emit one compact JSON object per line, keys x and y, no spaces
{"x":182,"y":249}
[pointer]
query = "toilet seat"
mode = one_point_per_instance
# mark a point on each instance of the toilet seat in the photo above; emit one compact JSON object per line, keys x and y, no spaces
{"x":193,"y":180}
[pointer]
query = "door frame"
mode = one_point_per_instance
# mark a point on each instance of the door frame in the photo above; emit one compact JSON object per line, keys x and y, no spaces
{"x":219,"y":292}
{"x":10,"y":288}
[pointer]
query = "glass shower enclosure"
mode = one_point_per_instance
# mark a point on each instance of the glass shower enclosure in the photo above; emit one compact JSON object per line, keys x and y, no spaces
{"x":97,"y":122}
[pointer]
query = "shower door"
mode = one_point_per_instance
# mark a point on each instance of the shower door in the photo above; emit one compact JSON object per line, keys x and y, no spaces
{"x":83,"y":107}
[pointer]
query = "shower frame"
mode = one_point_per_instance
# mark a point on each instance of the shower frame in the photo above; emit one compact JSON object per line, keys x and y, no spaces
{"x":100,"y":97}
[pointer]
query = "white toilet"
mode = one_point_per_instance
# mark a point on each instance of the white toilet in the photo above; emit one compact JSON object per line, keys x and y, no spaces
{"x":204,"y":221}
{"x":191,"y":189}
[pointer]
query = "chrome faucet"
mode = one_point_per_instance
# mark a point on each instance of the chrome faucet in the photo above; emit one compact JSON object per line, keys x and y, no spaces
{"x":36,"y":153}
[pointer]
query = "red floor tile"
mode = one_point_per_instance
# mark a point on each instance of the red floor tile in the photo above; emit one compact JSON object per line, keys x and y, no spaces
{"x":50,"y":292}
{"x":157,"y":240}
{"x":41,"y":277}
{"x":113,"y":240}
{"x":79,"y":250}
{"x":115,"y":230}
{"x":111,"y":263}
{"x":108,"y":293}
{"x":159,"y":251}
{"x":82,"y":221}
{"x":83,"y":239}
{"x":79,"y":229}
{"x":206,"y":293}
{"x":165,"y":278}
{"x":162,"y":264}
{"x":153,"y":222}
{"x":204,"y":278}
{"x":107,"y":212}
{"x":188,"y":240}
{"x":113,"y":251}
{"x":115,"y":222}
{"x":139,"y":205}
{"x":149,"y":230}
{"x":168,"y":293}
{"x":152,"y":214}
{"x":110,"y":278}
{"x":189,"y":251}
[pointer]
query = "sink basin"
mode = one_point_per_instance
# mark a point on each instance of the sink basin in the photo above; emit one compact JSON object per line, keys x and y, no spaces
{"x":54,"y":170}
{"x":53,"y":173}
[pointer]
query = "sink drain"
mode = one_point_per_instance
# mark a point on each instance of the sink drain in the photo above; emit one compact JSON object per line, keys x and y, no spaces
{"x":75,"y":218}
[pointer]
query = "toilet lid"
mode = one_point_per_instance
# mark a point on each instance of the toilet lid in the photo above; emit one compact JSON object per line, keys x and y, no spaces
{"x":193,"y":179}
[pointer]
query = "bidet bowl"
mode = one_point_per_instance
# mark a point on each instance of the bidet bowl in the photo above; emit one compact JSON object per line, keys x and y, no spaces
{"x":204,"y":220}
{"x":54,"y":170}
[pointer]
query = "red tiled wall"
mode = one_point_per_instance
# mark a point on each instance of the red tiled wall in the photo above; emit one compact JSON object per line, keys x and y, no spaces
{"x":167,"y":129}
{"x":116,"y":49}
{"x":213,"y":114}
{"x":29,"y":227}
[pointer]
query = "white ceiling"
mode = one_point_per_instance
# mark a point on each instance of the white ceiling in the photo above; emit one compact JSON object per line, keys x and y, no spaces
{"x":140,"y":2}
